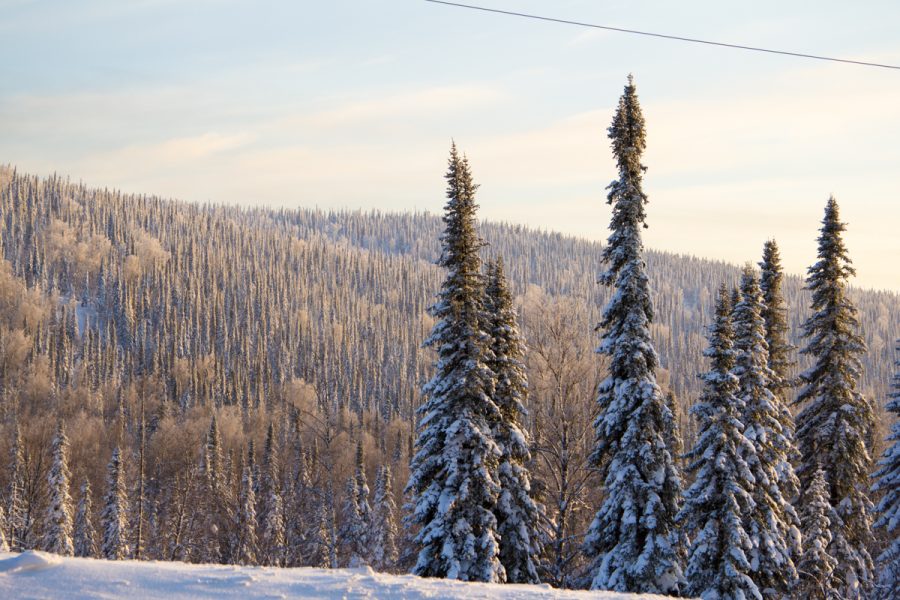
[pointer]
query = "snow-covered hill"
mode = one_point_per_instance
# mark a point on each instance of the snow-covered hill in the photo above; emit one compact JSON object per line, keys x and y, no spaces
{"x":36,"y":575}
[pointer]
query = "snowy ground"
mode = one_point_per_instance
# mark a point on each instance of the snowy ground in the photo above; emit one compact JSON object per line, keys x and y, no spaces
{"x":46,"y":576}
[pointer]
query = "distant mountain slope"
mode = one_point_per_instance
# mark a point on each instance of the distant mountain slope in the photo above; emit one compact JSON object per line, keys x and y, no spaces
{"x":683,"y":285}
{"x":326,"y":287}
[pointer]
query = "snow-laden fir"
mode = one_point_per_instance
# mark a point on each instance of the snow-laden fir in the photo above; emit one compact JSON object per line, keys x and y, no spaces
{"x":85,"y":542}
{"x":836,"y":419}
{"x":15,"y":495}
{"x":771,"y":522}
{"x":633,"y":539}
{"x":720,"y":497}
{"x":384,"y":552}
{"x":114,"y":516}
{"x":453,"y":474}
{"x":358,"y":521}
{"x":58,"y":536}
{"x":519,"y":517}
{"x":271,"y":518}
{"x":782,"y":381}
{"x":816,"y":566}
{"x":887,"y":481}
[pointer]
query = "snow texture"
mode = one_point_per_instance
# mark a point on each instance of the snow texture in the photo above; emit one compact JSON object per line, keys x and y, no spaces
{"x":37,"y":575}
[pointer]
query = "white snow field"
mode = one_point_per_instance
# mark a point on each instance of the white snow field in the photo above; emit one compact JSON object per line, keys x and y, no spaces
{"x":38,"y":575}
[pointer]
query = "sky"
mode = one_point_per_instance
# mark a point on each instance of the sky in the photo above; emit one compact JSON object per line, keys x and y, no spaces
{"x":354,"y":103}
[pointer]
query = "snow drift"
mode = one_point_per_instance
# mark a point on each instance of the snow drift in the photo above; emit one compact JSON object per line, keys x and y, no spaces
{"x":37,"y":575}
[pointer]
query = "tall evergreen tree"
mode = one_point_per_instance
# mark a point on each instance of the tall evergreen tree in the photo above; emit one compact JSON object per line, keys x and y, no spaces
{"x":58,"y":522}
{"x":114,"y":517}
{"x":715,"y":505}
{"x":299,"y":513}
{"x":453,"y":474}
{"x":816,"y":566}
{"x":362,"y":503}
{"x":4,"y":546}
{"x":518,"y":515}
{"x":16,"y":506}
{"x":351,"y":526}
{"x":836,"y":419}
{"x":774,"y":313}
{"x":318,"y":547}
{"x":273,"y":536}
{"x":85,"y":537}
{"x":632,"y":539}
{"x":272,"y":540}
{"x":384,"y":547}
{"x":355,"y":533}
{"x":888,"y":481}
{"x":247,"y":545}
{"x":770,"y":524}
{"x":332,"y":531}
{"x":213,"y":489}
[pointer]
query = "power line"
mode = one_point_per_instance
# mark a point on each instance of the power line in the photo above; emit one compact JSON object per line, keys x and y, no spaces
{"x":663,"y":35}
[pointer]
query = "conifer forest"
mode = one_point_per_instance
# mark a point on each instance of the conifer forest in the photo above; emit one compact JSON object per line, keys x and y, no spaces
{"x":445,"y":396}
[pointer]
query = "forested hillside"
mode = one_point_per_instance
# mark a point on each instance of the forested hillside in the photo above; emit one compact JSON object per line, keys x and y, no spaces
{"x":229,"y":349}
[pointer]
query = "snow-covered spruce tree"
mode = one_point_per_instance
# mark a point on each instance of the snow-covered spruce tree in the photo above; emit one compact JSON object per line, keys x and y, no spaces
{"x":716,"y":503}
{"x":298,"y":512}
{"x":254,"y":469}
{"x":267,"y":471}
{"x":4,"y":546}
{"x":681,"y":542}
{"x":247,"y":544}
{"x":355,"y":532}
{"x":317,"y":543}
{"x":888,"y":481}
{"x":384,"y":526}
{"x":213,"y":547}
{"x":351,"y":526}
{"x":774,"y":313}
{"x":58,"y":521}
{"x":272,"y":540}
{"x":85,"y":537}
{"x":306,"y":530}
{"x":274,"y":533}
{"x":453,"y":473}
{"x":332,"y":532}
{"x":632,"y":539}
{"x":816,"y":566}
{"x":323,"y":541}
{"x":114,"y":517}
{"x":836,"y":418}
{"x":364,"y":538}
{"x":518,"y":515}
{"x":770,"y":524}
{"x":16,"y":507}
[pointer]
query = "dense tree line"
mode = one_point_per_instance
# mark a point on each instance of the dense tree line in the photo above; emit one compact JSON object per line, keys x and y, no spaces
{"x":235,"y":366}
{"x":736,"y":533}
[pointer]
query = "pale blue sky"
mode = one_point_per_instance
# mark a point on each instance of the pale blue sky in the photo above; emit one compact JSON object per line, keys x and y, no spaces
{"x":352,"y":103}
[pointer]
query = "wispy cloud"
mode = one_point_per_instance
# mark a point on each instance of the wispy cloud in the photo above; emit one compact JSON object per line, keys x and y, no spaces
{"x":172,"y":152}
{"x":411,"y":104}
